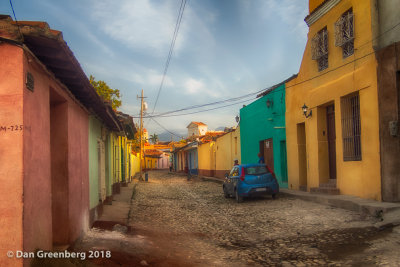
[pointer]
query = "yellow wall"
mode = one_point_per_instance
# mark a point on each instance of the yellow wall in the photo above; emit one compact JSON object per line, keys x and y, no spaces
{"x":314,"y":4}
{"x":206,"y":156}
{"x":316,"y":89}
{"x":225,"y":150}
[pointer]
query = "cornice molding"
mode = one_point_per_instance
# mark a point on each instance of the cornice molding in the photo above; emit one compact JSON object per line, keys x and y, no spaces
{"x":320,"y":11}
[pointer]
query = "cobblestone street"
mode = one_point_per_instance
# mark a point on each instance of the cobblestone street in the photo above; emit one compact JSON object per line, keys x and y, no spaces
{"x":175,"y":222}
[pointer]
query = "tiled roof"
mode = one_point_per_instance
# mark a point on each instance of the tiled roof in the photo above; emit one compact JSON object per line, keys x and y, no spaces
{"x":197,"y":123}
{"x":270,"y":89}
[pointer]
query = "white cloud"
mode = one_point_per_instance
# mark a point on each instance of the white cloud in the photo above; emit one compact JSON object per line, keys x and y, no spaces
{"x":290,"y":12}
{"x":193,"y":86}
{"x":140,"y":24}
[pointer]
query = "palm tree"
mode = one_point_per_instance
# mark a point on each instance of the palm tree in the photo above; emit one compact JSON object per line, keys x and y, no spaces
{"x":154,"y":138}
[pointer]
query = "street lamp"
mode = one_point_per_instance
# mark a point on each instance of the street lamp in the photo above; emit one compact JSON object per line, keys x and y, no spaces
{"x":305,"y":109}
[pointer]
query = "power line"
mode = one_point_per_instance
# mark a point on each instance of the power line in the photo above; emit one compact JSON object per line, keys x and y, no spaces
{"x":208,"y":104}
{"x":166,"y":129}
{"x":199,"y":111}
{"x":177,"y":26}
{"x":16,"y":21}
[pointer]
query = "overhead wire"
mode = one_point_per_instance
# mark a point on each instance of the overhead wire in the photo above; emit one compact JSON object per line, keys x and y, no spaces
{"x":171,"y":49}
{"x":168,"y":114}
{"x":16,"y":21}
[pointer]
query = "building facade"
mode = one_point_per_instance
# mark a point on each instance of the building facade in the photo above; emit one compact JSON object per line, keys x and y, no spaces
{"x":262,"y":130}
{"x":386,"y":42}
{"x":45,"y":116}
{"x":332,"y":122}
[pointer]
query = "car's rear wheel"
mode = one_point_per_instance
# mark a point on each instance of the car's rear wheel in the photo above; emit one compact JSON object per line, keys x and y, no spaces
{"x":239,"y":199}
{"x":226,"y":195}
{"x":274,"y":196}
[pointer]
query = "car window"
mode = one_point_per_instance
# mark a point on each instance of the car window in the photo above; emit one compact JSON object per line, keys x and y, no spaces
{"x":256,"y":170}
{"x":234,"y":171}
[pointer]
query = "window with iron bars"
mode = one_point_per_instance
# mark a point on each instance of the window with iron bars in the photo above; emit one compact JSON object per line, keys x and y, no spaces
{"x":351,"y":127}
{"x":319,"y":49}
{"x":344,"y":33}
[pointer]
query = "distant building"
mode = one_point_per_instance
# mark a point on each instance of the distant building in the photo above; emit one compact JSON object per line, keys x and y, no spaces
{"x":196,"y":129}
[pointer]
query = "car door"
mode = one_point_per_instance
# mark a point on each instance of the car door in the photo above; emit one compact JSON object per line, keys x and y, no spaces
{"x":232,"y":179}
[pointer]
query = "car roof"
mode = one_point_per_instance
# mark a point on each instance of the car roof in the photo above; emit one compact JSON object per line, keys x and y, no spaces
{"x":251,"y":165}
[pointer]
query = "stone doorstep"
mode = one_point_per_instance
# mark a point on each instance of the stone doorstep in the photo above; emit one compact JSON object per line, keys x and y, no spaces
{"x":325,"y":190}
{"x":364,"y":206}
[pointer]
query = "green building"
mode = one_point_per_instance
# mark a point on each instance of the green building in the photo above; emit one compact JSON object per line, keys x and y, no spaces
{"x":262,"y":130}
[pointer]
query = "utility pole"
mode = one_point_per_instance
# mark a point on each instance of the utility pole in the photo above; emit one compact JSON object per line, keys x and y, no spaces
{"x":141,"y":134}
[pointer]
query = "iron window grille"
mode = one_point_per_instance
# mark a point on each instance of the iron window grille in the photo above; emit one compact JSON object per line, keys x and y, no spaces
{"x":319,"y":49}
{"x":351,"y":127}
{"x":344,"y":33}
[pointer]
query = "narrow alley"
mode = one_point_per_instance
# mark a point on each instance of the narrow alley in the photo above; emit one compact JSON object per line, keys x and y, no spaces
{"x":176,"y":222}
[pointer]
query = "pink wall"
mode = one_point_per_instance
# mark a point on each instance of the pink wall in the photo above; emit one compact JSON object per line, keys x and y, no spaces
{"x":31,"y":162}
{"x":78,"y":167}
{"x":37,"y":182}
{"x":163,"y":162}
{"x":11,"y":148}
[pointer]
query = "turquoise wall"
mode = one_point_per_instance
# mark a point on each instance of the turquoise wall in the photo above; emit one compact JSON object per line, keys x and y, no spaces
{"x":94,"y":135}
{"x":258,"y":122}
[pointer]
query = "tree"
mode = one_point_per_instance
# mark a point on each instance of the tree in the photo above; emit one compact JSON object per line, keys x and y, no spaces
{"x":107,"y":93}
{"x":154,"y":138}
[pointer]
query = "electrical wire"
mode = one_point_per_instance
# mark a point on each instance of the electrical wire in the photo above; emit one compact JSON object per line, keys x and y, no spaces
{"x":16,"y":21}
{"x":171,"y":49}
{"x":166,"y":129}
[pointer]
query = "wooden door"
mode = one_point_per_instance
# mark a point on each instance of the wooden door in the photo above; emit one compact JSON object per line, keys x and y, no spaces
{"x":330,"y":119}
{"x":269,"y":153}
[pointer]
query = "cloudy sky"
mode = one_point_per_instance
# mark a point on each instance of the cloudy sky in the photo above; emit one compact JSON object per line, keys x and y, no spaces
{"x":224,"y":49}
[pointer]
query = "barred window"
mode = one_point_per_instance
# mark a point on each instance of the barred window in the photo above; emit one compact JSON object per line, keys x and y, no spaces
{"x":319,"y":49}
{"x":351,"y":127}
{"x":344,"y":33}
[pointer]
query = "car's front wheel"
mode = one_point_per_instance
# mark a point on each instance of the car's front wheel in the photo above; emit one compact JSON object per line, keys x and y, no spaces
{"x":239,"y":199}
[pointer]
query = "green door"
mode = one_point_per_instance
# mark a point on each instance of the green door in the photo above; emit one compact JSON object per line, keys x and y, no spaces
{"x":283,"y":161}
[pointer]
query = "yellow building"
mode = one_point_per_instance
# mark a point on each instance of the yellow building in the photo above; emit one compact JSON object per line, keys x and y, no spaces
{"x":332,"y":108}
{"x":227,"y":150}
{"x":215,"y":158}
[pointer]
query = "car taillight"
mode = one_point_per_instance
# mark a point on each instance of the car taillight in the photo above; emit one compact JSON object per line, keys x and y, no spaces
{"x":273,"y":174}
{"x":242,"y":174}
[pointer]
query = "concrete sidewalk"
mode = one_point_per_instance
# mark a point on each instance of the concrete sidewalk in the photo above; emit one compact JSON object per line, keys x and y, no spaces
{"x":119,"y":210}
{"x":387,"y":212}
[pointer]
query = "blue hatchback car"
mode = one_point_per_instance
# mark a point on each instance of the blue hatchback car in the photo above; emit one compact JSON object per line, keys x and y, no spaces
{"x":249,"y":180}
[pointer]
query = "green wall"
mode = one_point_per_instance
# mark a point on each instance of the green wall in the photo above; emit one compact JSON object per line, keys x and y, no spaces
{"x":258,"y":122}
{"x":94,"y":135}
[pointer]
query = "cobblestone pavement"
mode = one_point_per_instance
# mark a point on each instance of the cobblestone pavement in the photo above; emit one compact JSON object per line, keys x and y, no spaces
{"x":175,"y":222}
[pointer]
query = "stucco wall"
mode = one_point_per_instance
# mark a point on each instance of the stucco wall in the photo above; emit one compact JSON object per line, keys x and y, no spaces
{"x":389,"y":111}
{"x":388,"y":17}
{"x":206,"y":159}
{"x":11,"y":149}
{"x":43,"y":147}
{"x":342,"y":77}
{"x":259,"y":122}
{"x":78,"y":169}
{"x":226,"y":153}
{"x":94,"y":136}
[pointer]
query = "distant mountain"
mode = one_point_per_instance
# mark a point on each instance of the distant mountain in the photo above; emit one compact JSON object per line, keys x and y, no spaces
{"x":166,"y":136}
{"x":220,"y":128}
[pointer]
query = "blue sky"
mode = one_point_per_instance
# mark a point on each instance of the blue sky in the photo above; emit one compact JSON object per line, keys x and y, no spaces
{"x":224,"y":49}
